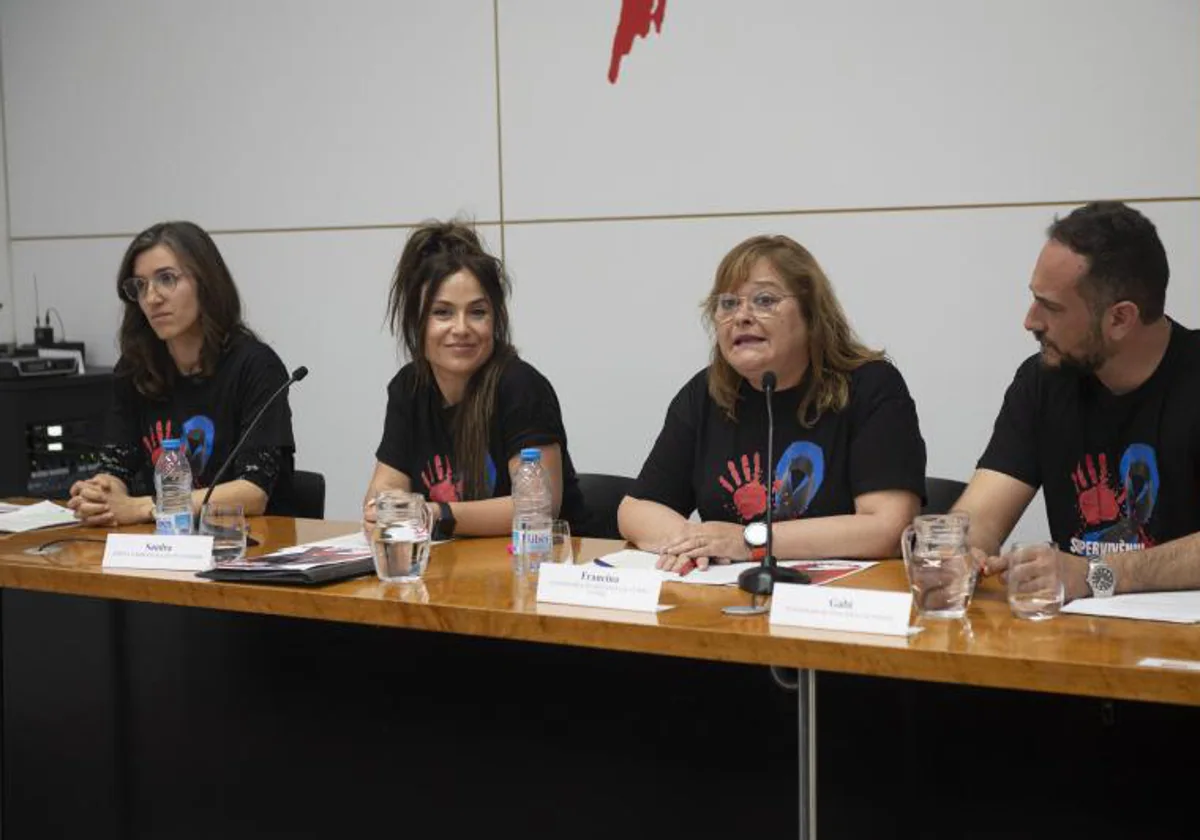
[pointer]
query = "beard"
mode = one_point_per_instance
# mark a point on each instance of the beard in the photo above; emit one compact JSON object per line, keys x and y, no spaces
{"x":1088,"y":358}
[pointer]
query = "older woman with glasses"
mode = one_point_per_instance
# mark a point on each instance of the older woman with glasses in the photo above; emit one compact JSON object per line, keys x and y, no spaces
{"x":190,"y":369}
{"x":850,"y":466}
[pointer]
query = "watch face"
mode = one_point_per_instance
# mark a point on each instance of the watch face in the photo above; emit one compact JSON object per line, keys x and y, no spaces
{"x":1101,"y":578}
{"x":755,"y":534}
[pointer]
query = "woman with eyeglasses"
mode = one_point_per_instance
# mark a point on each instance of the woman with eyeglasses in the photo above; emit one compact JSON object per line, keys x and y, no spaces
{"x":460,"y":412}
{"x":849,"y":466}
{"x":190,"y":369}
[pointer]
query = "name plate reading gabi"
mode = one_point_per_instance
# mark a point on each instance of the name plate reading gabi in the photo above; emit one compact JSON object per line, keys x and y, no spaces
{"x":592,"y":586}
{"x":175,"y":553}
{"x":852,"y":610}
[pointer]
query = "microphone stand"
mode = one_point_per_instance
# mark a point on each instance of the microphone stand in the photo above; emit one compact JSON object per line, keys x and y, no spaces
{"x":760,"y":580}
{"x":298,"y":374}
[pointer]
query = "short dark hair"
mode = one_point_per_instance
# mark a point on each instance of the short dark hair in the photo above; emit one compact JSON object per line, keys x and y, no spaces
{"x":1126,"y":259}
{"x":143,"y":355}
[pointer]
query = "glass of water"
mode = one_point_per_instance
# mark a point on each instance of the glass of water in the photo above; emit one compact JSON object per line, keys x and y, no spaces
{"x":400,"y":542}
{"x":1035,"y":589}
{"x":561,"y":549}
{"x":226,"y":524}
{"x":941,"y":568}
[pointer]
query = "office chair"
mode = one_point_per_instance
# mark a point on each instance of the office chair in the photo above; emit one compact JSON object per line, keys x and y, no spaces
{"x":602,"y":495}
{"x":304,"y":497}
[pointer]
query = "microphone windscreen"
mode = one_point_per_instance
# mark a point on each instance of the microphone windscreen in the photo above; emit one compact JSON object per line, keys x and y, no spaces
{"x":768,"y":381}
{"x":299,"y":373}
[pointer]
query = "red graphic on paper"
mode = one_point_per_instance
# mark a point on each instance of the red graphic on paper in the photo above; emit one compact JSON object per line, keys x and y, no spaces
{"x":1097,"y":501}
{"x":439,"y":481}
{"x":749,"y":492}
{"x":636,"y":19}
{"x":153,"y":441}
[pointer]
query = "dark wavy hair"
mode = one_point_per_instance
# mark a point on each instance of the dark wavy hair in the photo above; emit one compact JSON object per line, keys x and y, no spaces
{"x":1126,"y":259}
{"x":435,"y":251}
{"x":144,"y":355}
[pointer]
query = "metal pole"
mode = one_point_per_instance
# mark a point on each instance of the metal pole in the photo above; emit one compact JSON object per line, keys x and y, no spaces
{"x":806,"y":682}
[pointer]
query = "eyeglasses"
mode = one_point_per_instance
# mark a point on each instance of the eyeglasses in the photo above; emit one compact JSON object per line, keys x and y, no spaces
{"x":761,"y":305}
{"x":135,"y":288}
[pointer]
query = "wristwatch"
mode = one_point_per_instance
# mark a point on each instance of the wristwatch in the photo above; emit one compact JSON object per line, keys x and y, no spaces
{"x":444,"y":529}
{"x":755,"y":535}
{"x":1101,"y":578}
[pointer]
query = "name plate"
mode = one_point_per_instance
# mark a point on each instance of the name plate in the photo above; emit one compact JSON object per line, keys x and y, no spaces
{"x":592,"y":586}
{"x":177,"y":553}
{"x":853,"y":610}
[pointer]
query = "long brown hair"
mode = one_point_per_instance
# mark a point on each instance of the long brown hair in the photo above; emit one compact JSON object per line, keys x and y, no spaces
{"x":834,"y":351}
{"x":434,"y":252}
{"x":144,"y":355}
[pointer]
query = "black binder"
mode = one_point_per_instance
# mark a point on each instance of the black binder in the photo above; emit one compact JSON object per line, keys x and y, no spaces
{"x":325,"y":565}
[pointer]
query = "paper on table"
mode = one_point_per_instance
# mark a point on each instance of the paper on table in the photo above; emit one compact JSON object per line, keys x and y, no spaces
{"x":356,"y":540}
{"x":820,"y":571}
{"x":1175,"y":607}
{"x":32,"y":517}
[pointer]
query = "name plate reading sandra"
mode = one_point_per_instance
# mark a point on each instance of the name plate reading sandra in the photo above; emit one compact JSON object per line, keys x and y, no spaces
{"x":593,"y":586}
{"x":851,"y":610}
{"x":185,"y":553}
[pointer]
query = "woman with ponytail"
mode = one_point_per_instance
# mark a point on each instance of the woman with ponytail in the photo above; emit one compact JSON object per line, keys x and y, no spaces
{"x":460,"y":412}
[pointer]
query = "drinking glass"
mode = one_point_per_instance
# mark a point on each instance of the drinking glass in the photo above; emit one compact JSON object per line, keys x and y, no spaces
{"x":226,"y":524}
{"x":400,"y":540}
{"x":561,"y":550}
{"x":941,"y":570}
{"x":1035,"y":589}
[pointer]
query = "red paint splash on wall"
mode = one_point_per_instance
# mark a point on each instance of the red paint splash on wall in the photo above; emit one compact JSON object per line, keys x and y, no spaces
{"x":636,"y":19}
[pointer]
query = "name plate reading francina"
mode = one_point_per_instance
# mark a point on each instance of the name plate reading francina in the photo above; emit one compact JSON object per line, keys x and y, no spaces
{"x":593,"y":586}
{"x":185,"y":553}
{"x":852,"y":610}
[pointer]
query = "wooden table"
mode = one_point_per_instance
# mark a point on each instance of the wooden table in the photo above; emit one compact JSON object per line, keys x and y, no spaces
{"x":469,"y":590}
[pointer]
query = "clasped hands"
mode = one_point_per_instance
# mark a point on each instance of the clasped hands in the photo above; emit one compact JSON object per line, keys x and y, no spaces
{"x":104,"y":501}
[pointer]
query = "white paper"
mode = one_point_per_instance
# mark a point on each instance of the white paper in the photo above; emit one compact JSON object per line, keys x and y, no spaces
{"x":1175,"y":664}
{"x":726,"y":574}
{"x":174,"y":553}
{"x":32,"y":517}
{"x":1175,"y":607}
{"x":853,"y":610}
{"x":593,"y":586}
{"x":356,"y":540}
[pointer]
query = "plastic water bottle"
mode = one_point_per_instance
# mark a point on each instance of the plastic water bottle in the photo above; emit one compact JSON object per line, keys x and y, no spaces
{"x":533,"y":509}
{"x":172,"y":490}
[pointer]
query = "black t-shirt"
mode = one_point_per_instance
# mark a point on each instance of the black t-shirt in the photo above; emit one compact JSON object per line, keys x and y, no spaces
{"x":209,"y":415}
{"x":704,"y":461}
{"x":418,"y":437}
{"x":1119,"y":473}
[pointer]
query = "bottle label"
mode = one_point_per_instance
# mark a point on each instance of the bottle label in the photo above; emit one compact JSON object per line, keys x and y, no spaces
{"x":537,"y":541}
{"x":173,"y":523}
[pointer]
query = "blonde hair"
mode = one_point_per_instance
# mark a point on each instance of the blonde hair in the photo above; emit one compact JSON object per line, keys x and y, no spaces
{"x":834,"y":351}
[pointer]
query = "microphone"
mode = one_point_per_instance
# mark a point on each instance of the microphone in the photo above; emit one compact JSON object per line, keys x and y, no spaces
{"x":761,"y":580}
{"x":298,"y":374}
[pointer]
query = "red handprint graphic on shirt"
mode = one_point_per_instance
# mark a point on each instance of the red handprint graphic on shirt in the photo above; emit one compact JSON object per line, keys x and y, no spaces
{"x":153,"y":441}
{"x":439,"y":481}
{"x":1097,"y":501}
{"x":748,"y":491}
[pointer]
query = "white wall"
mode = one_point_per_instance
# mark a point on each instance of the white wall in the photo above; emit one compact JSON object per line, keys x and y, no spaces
{"x":919,"y":149}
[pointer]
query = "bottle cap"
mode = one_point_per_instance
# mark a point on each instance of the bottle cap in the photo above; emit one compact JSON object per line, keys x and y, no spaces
{"x":531,"y":454}
{"x":170,"y":443}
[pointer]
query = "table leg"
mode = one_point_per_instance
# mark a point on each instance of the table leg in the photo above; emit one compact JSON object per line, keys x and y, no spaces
{"x":806,"y":681}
